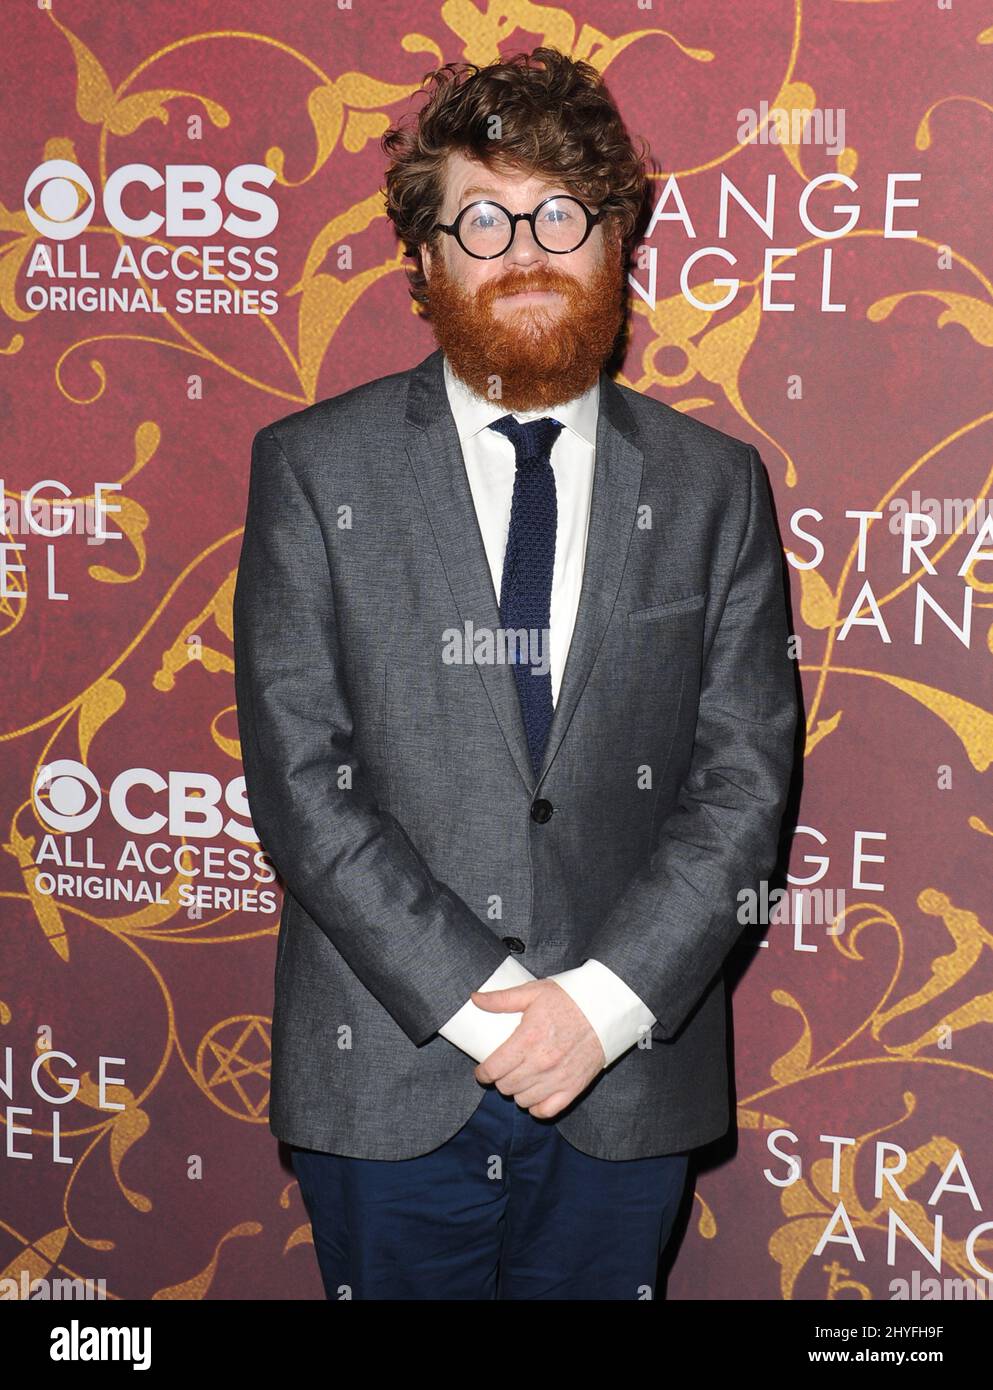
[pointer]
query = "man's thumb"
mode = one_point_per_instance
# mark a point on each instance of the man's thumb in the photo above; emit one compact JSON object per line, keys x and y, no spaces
{"x":501,"y":1000}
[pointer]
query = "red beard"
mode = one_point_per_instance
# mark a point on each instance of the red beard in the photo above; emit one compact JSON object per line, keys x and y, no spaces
{"x":540,"y":355}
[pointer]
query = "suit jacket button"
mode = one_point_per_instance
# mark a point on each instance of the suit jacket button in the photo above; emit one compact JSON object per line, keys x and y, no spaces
{"x":541,"y":810}
{"x":513,"y":943}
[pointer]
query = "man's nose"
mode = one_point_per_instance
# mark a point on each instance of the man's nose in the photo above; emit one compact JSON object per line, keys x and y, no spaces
{"x":524,"y":250}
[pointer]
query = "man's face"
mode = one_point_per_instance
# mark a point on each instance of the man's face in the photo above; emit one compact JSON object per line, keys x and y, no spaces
{"x":530,"y":328}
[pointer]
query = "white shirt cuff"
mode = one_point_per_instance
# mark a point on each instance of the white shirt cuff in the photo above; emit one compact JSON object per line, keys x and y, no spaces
{"x":479,"y":1032}
{"x":617,"y":1015}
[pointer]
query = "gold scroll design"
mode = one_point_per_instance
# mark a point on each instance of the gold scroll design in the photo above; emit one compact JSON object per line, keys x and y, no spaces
{"x":809,"y":1209}
{"x":345,"y":112}
{"x":718,"y":354}
{"x":41,"y":1258}
{"x":302,"y":1234}
{"x":224,"y":1068}
{"x":231,"y":1068}
{"x":131,"y":521}
{"x":485,"y":28}
{"x":821,"y":610}
{"x":91,"y":710}
{"x":122,"y":1129}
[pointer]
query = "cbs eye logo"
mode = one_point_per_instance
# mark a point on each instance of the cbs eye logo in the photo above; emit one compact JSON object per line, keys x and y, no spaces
{"x":58,"y":212}
{"x":61,"y":793}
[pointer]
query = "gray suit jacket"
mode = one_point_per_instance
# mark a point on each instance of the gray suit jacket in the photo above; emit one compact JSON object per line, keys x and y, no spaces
{"x":394,"y":791}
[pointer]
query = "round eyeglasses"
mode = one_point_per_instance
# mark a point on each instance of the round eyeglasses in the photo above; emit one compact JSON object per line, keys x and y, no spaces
{"x":559,"y":224}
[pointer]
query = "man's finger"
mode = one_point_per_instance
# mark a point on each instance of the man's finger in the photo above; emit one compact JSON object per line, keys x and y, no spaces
{"x":503,"y":1059}
{"x":553,"y":1105}
{"x":532,"y":1090}
{"x":504,"y":1000}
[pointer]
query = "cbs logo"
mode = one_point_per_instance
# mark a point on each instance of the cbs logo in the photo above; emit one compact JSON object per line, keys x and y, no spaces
{"x":67,"y":797}
{"x":65,"y":201}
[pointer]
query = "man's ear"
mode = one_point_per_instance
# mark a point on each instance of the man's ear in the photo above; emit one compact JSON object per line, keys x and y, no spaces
{"x":425,"y":258}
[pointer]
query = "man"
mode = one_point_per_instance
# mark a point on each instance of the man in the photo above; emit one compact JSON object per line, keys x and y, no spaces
{"x":517,"y":723}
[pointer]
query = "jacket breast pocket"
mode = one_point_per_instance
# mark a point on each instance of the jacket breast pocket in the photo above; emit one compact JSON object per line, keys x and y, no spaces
{"x":668,"y":609}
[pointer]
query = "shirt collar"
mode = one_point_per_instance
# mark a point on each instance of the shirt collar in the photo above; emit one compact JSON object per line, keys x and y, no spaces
{"x":474,"y":413}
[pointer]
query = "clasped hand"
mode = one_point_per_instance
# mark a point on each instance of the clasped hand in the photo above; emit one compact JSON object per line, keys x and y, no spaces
{"x":552,"y":1055}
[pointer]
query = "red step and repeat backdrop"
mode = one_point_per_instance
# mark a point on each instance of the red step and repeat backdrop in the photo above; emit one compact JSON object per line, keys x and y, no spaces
{"x":843,"y":326}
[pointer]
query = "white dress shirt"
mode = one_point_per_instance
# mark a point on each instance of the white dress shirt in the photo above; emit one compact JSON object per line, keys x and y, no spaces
{"x":616,"y":1014}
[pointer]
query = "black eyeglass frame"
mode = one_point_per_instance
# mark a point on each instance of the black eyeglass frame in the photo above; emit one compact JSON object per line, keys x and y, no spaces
{"x":452,"y":228}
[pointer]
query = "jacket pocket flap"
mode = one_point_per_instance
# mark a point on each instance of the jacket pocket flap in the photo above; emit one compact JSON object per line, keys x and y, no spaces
{"x":663,"y":610}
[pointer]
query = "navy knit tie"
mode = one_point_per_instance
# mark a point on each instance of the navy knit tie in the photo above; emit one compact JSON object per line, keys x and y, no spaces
{"x":526,"y":587}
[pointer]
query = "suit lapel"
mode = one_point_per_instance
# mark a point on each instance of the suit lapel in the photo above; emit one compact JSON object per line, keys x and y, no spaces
{"x":613,"y":513}
{"x":435,"y":455}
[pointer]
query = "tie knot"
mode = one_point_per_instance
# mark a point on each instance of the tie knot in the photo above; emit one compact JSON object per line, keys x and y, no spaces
{"x":532,"y":440}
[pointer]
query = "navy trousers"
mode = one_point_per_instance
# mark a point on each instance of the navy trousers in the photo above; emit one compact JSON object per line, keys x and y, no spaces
{"x":506,"y":1208}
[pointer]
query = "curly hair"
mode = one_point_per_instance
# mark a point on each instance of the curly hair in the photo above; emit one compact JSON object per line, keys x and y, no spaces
{"x":539,"y":113}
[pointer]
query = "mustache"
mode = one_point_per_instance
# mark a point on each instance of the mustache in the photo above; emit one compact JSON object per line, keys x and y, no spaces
{"x":518,"y":283}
